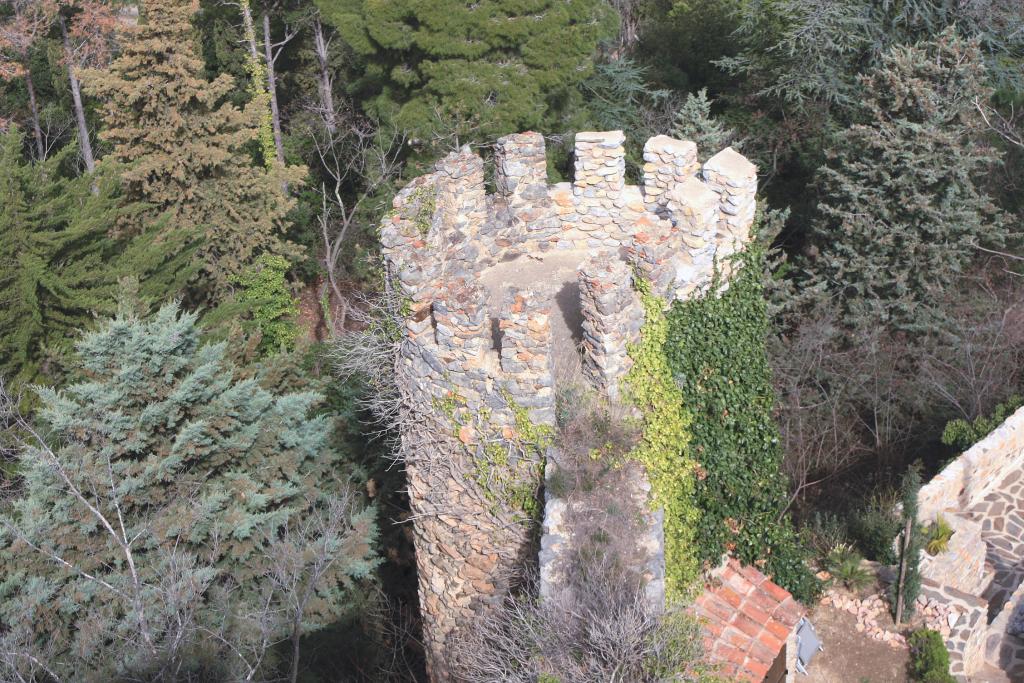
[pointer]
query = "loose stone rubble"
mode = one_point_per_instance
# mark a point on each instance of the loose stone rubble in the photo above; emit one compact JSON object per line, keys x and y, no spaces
{"x":475,"y":369}
{"x":867,"y":611}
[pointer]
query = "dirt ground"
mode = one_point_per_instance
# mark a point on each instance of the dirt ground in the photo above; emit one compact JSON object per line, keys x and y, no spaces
{"x":852,"y":657}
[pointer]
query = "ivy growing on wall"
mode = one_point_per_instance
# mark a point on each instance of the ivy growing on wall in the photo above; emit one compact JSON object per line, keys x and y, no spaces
{"x":265,"y":290}
{"x":665,"y":432}
{"x":715,"y":349}
{"x":508,"y":460}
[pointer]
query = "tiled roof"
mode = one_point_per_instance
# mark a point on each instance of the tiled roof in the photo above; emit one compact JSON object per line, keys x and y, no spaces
{"x":746,"y":619}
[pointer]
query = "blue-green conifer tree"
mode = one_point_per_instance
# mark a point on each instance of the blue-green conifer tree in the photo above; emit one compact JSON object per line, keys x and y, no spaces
{"x":165,"y":490}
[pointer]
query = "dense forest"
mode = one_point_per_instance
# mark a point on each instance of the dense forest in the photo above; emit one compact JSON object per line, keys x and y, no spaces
{"x":190,"y":199}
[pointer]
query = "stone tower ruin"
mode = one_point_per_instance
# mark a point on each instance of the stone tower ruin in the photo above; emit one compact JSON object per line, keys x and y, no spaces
{"x":500,"y":289}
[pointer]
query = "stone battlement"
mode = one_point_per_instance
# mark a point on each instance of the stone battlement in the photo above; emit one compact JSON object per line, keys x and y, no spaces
{"x":445,"y":227}
{"x":503,"y":290}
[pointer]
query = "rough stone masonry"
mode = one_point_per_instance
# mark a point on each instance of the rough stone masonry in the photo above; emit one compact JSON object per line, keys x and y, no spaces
{"x":490,"y":307}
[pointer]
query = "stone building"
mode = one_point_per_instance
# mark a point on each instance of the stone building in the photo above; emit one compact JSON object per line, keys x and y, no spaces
{"x":500,"y":289}
{"x":979,"y":580}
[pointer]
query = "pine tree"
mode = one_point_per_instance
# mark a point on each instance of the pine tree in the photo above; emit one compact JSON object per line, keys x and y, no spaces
{"x":485,"y":68}
{"x":694,"y":122}
{"x":58,"y":266}
{"x":179,"y":509}
{"x":904,"y":213}
{"x":187,"y":150}
{"x":908,"y":579}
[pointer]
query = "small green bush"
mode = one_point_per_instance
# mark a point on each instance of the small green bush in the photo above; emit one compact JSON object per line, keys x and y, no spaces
{"x":937,"y":536}
{"x":823,"y":532}
{"x":875,"y":529}
{"x":961,"y":434}
{"x":929,"y":659}
{"x":843,"y":563}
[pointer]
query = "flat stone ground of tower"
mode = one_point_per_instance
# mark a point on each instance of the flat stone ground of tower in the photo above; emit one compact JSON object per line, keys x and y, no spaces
{"x":1001,"y":514}
{"x":553,"y":276}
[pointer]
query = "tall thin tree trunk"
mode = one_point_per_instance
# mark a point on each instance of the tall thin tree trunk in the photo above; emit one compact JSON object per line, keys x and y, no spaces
{"x":900,"y":589}
{"x":296,"y":638}
{"x":275,"y":114}
{"x":326,"y":91}
{"x":36,"y":129}
{"x":250,"y":32}
{"x":76,"y":94}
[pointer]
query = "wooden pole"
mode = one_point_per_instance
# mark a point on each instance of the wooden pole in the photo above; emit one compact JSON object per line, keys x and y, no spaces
{"x":907,"y":530}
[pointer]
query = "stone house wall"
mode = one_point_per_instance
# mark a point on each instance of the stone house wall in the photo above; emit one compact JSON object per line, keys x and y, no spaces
{"x":475,"y":370}
{"x":962,"y":565}
{"x":967,"y":480}
{"x":968,"y":618}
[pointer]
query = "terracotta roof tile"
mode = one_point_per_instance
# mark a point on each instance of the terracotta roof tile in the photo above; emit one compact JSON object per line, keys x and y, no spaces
{"x":755,"y":669}
{"x":746,"y":619}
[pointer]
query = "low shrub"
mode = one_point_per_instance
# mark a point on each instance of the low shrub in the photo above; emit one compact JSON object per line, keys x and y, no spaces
{"x":844,"y":564}
{"x":961,"y":434}
{"x":823,"y":532}
{"x":929,"y":659}
{"x":601,"y":627}
{"x":875,"y":529}
{"x":937,"y":536}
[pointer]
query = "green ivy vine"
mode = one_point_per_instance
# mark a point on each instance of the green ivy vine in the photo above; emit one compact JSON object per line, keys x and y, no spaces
{"x":662,"y":449}
{"x":715,"y":348}
{"x":509,"y":482}
{"x":265,"y":290}
{"x":258,"y":93}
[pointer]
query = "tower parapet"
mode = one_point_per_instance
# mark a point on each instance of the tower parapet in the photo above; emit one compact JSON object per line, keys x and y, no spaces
{"x":501,"y":289}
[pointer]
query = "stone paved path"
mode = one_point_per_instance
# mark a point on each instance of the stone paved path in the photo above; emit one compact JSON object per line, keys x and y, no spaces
{"x":1001,"y":515}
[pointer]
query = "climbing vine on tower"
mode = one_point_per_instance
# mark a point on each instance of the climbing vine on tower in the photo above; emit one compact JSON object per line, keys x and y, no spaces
{"x":715,"y":346}
{"x":663,"y":443}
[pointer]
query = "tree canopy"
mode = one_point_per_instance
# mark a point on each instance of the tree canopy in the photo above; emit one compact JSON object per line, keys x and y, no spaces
{"x":186,"y":150}
{"x":477,"y":70}
{"x":160,"y":502}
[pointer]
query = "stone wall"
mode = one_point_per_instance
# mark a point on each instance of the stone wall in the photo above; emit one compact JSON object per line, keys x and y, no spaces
{"x":967,"y":626}
{"x":487,"y":313}
{"x":962,"y":565}
{"x":1004,"y":645}
{"x":966,"y":480}
{"x":979,"y":576}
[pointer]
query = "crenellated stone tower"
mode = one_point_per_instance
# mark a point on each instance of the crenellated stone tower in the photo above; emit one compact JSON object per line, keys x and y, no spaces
{"x":500,"y":289}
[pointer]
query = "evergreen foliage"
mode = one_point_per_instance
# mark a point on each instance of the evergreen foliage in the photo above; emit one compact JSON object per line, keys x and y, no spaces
{"x":807,"y":53}
{"x":184,"y":505}
{"x":186,"y":149}
{"x":58,"y":266}
{"x":874,"y":527}
{"x":478,"y":70}
{"x":694,"y":122}
{"x":909,"y":586}
{"x":266,"y":291}
{"x":716,"y":350}
{"x":618,"y":94}
{"x":929,"y":659}
{"x":902,"y":212}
